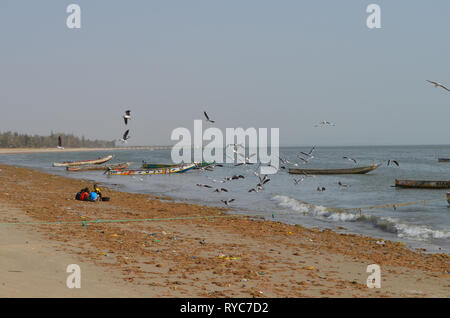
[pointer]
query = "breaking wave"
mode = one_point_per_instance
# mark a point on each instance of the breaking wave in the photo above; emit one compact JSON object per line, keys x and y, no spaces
{"x":387,"y":224}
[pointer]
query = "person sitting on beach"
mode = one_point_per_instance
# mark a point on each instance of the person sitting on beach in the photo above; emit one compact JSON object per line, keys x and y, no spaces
{"x":93,"y":196}
{"x":98,"y":191}
{"x":83,"y":195}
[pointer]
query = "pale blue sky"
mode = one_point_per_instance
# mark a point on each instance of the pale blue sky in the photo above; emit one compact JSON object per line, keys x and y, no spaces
{"x":251,"y":63}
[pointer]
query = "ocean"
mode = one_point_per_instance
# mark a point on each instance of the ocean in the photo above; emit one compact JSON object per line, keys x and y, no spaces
{"x":418,"y":225}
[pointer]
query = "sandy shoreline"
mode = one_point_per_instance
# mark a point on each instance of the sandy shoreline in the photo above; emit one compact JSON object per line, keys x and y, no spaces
{"x":207,"y":256}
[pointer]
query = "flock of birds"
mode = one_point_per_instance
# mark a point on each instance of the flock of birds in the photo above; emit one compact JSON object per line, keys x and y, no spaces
{"x":304,"y":158}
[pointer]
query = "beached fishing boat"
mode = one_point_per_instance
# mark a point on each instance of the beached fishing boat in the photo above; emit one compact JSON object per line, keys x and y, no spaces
{"x":118,"y":166}
{"x":448,"y":198}
{"x":198,"y":165}
{"x":169,"y":170}
{"x":82,"y":163}
{"x":444,"y":159}
{"x":357,"y":170}
{"x":422,"y":184}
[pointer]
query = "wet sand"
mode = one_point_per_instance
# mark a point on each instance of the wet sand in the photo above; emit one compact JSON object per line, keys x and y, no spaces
{"x":215,"y":254}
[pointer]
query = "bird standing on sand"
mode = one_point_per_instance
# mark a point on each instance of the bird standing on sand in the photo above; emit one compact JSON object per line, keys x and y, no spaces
{"x":127,"y":116}
{"x":436,"y":84}
{"x":207,"y":118}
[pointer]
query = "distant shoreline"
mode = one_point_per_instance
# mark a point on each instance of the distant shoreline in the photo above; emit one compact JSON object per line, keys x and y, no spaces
{"x":6,"y":151}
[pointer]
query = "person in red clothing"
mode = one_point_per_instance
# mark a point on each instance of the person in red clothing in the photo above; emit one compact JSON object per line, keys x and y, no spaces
{"x":83,"y":195}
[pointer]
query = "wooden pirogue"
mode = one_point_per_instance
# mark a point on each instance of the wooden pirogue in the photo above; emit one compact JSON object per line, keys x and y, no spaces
{"x":422,"y":184}
{"x":198,"y":165}
{"x":171,"y":170}
{"x":357,"y":170}
{"x":444,"y":159}
{"x":117,"y":166}
{"x":81,"y":163}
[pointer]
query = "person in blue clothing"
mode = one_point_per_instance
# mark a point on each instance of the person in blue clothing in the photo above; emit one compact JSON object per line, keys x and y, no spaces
{"x":93,"y":196}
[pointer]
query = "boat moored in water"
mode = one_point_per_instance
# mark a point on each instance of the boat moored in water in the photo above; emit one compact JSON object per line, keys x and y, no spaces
{"x":198,"y":165}
{"x":444,"y":159}
{"x":167,"y":170}
{"x":357,"y":170}
{"x":422,"y":184}
{"x":82,"y":163}
{"x":118,"y":166}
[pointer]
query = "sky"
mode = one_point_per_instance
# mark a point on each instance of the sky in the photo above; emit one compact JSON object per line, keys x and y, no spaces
{"x":256,"y":63}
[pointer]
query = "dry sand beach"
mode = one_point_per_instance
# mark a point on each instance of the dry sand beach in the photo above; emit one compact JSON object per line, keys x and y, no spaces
{"x":201,"y":252}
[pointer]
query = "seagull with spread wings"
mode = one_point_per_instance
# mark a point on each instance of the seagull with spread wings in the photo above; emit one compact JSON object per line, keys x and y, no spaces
{"x":350,"y":159}
{"x":436,"y":84}
{"x":393,"y":161}
{"x":207,"y":118}
{"x":127,"y":116}
{"x":125,"y":136}
{"x":227,"y":202}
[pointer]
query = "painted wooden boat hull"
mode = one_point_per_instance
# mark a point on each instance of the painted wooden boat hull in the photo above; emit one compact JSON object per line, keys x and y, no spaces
{"x":444,"y":159}
{"x":358,"y":170}
{"x":118,"y":166}
{"x":146,"y":165}
{"x":422,"y":184}
{"x":448,"y":198}
{"x":82,"y":163}
{"x":171,"y":170}
{"x":198,"y":165}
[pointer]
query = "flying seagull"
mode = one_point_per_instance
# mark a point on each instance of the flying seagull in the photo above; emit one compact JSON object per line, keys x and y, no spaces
{"x":309,"y":154}
{"x":127,"y":116}
{"x":303,"y":159}
{"x":348,"y":158}
{"x":227,"y":202}
{"x":207,"y":118}
{"x":220,"y":190}
{"x":342,"y":184}
{"x":125,"y":136}
{"x":436,"y":84}
{"x":203,"y":185}
{"x":235,"y":177}
{"x":394,"y":161}
{"x":59,"y":143}
{"x":325,"y":123}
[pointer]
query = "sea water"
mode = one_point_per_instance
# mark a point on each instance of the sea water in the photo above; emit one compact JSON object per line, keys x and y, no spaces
{"x":419,"y":225}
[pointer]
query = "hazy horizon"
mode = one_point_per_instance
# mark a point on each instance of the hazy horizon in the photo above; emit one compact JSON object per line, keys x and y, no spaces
{"x":259,"y":64}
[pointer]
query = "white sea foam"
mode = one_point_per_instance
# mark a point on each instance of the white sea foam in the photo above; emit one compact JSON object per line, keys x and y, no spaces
{"x":391,"y":225}
{"x":314,"y":210}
